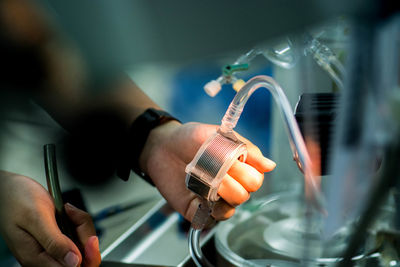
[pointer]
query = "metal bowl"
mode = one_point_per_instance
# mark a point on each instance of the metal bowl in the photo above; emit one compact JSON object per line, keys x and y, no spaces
{"x":281,"y":231}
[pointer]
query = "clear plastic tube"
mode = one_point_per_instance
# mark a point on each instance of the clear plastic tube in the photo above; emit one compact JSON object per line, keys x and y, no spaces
{"x":284,"y":55}
{"x":326,"y":59}
{"x":249,"y":56}
{"x":296,"y":140}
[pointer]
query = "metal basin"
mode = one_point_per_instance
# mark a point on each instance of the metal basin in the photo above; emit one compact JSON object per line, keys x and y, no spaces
{"x":279,"y":231}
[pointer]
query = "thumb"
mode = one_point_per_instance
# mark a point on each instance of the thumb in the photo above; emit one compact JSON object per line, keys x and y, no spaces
{"x":45,"y":230}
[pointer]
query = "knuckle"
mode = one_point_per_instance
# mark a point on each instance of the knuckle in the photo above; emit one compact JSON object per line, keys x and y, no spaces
{"x":33,"y":214}
{"x":25,"y":260}
{"x":29,"y":215}
{"x":52,"y":247}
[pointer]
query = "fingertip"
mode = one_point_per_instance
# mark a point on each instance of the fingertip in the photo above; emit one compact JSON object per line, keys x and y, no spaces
{"x":93,"y":243}
{"x":70,"y":209}
{"x":70,"y":206}
{"x":256,"y":159}
{"x":71,"y":259}
{"x":232,"y":191}
{"x":268,"y":164}
{"x":92,"y":252}
{"x":79,"y":217}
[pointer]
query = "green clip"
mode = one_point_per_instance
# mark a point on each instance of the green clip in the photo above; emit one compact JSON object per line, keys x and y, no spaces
{"x":229,"y":69}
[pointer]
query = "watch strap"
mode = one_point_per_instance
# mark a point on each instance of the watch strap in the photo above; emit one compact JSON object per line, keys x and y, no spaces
{"x":137,"y":137}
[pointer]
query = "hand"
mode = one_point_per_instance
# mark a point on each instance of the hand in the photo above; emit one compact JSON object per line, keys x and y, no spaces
{"x":170,"y":147}
{"x":28,"y":225}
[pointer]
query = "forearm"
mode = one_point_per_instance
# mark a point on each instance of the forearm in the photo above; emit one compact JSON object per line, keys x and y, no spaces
{"x":123,"y":101}
{"x":99,"y":127}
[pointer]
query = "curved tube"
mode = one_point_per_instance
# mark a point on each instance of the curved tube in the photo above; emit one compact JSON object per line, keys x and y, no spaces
{"x":195,"y":249}
{"x":282,"y":56}
{"x":326,"y":59}
{"x":296,"y":141}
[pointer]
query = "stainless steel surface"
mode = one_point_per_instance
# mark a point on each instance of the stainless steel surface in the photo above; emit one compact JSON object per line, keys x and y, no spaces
{"x":156,"y":239}
{"x":277,"y":229}
{"x":121,"y":264}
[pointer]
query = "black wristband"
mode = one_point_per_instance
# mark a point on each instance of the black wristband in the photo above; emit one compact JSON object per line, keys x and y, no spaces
{"x":137,"y":137}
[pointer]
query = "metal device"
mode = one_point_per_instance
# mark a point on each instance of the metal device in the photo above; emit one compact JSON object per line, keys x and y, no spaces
{"x":275,"y":230}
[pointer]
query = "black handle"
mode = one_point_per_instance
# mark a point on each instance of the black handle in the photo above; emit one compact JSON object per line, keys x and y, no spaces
{"x":53,"y":186}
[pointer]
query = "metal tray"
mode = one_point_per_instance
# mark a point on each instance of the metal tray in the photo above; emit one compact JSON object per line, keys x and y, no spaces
{"x":159,"y":238}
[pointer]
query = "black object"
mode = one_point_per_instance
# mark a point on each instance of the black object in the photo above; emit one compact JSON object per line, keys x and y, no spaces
{"x":74,"y":197}
{"x":94,"y":146}
{"x":138,"y":133}
{"x":53,"y":186}
{"x":316,"y":115}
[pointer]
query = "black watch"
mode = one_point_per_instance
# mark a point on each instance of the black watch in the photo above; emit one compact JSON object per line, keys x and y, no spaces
{"x":136,"y":139}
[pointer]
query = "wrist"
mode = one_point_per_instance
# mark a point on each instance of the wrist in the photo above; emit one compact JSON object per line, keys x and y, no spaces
{"x":156,"y":140}
{"x":137,"y":138}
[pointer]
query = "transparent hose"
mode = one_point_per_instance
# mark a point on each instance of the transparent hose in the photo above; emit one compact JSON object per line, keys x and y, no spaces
{"x":282,"y":55}
{"x":326,"y":59}
{"x":296,"y":141}
{"x":285,"y":56}
{"x":249,"y":56}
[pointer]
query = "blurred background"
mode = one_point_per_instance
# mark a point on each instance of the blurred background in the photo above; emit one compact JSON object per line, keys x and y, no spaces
{"x":172,"y":49}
